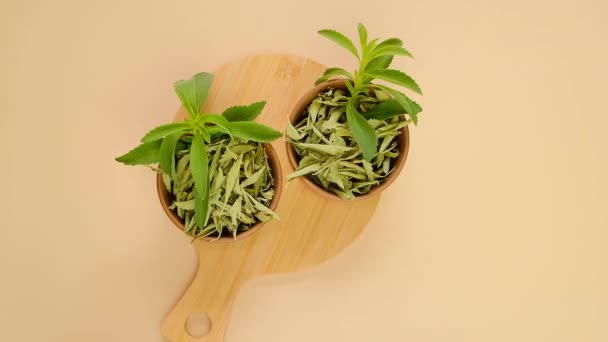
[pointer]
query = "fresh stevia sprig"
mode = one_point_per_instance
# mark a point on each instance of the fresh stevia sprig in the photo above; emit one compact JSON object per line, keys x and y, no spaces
{"x":328,"y":151}
{"x":374,"y":58}
{"x":196,"y":134}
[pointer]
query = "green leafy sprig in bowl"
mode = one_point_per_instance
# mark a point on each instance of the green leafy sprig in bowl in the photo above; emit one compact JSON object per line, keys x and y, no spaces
{"x":217,"y":176}
{"x":348,"y":135}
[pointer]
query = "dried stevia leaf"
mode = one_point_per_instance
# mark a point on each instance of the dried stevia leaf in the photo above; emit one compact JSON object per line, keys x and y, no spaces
{"x":304,"y":171}
{"x":353,"y":174}
{"x":293,"y":133}
{"x":325,"y":149}
{"x":369,"y":170}
{"x":242,"y":148}
{"x":386,"y":166}
{"x":253,"y":178}
{"x":232,"y":177}
{"x":185,"y":205}
{"x":313,"y":110}
{"x":235,"y":210}
{"x":261,"y":207}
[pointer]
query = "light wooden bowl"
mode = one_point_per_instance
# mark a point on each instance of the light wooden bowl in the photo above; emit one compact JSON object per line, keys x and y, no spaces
{"x":275,"y":168}
{"x":403,"y":143}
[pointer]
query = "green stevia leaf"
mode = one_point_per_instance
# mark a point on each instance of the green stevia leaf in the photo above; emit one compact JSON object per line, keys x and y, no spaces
{"x":193,"y":92}
{"x":411,"y":107}
{"x":186,"y":205}
{"x":390,"y":50}
{"x":254,"y":131}
{"x":304,"y":171}
{"x":379,"y":63}
{"x":390,"y":42}
{"x":219,"y":122}
{"x":350,"y":88}
{"x":254,"y":178}
{"x":364,"y":134}
{"x":331,"y":73}
{"x":395,"y":76}
{"x":206,"y":135}
{"x":293,"y":133}
{"x":144,"y":154}
{"x":164,"y":130}
{"x":362,"y":35}
{"x":325,"y":149}
{"x":244,"y":113}
{"x":341,"y":40}
{"x":167,"y":153}
{"x":199,"y":165}
{"x":385,"y":110}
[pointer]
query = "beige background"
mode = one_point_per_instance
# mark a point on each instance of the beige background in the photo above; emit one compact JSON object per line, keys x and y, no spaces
{"x":496,"y":231}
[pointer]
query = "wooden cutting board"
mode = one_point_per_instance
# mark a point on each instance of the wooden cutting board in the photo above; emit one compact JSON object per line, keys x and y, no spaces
{"x":312,"y":228}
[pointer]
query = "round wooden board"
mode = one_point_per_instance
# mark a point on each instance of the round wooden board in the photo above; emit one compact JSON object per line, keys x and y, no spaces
{"x":312,"y":228}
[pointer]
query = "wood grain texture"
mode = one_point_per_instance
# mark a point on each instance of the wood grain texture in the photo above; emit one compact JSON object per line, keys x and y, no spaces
{"x":312,"y":228}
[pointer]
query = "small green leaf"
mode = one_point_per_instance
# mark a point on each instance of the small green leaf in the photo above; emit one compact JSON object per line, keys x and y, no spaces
{"x":397,"y":77}
{"x":193,"y":92}
{"x":411,"y":107}
{"x":363,"y":132}
{"x":390,"y":42}
{"x":391,"y":50}
{"x":304,"y":171}
{"x":390,"y":108}
{"x":379,"y":63}
{"x":254,"y":131}
{"x":199,"y":165}
{"x":167,"y":153}
{"x":164,"y":130}
{"x":144,"y":154}
{"x":340,"y":39}
{"x":331,"y":72}
{"x":206,"y":135}
{"x":362,"y":35}
{"x":244,"y":113}
{"x":218,"y":121}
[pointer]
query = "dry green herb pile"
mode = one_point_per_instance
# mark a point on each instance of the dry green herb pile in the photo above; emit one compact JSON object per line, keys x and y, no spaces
{"x":241,"y":188}
{"x":329,"y":154}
